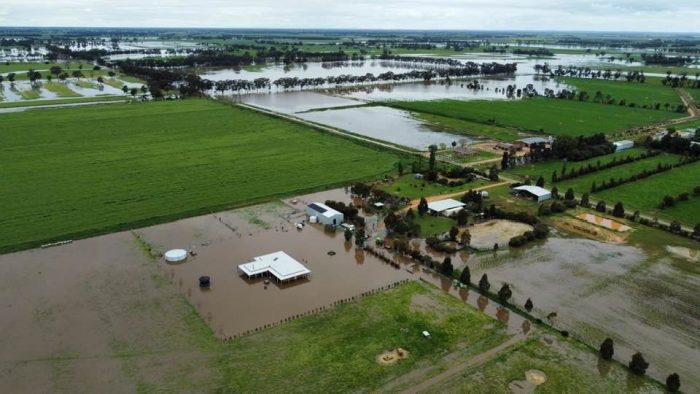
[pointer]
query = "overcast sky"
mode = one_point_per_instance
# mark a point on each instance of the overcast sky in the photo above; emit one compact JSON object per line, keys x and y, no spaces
{"x":589,"y":15}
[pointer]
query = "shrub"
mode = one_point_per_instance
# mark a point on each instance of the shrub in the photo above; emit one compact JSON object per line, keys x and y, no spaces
{"x":607,"y":349}
{"x":600,"y":206}
{"x":638,"y":365}
{"x":466,"y":276}
{"x":484,"y":284}
{"x":541,"y":230}
{"x":528,"y":305}
{"x":673,"y":383}
{"x":619,"y":210}
{"x":505,"y":293}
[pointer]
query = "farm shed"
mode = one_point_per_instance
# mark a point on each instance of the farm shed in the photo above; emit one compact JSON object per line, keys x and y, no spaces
{"x":324,"y":213}
{"x":536,"y":192}
{"x":527,"y":142}
{"x":279,"y":265}
{"x":445,"y":207}
{"x":622,"y":145}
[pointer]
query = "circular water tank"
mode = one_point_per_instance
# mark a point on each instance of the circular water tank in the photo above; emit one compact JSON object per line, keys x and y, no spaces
{"x":175,"y":255}
{"x":313,"y":219}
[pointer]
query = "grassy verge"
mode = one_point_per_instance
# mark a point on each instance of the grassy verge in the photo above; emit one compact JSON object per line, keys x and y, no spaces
{"x":16,"y":104}
{"x":567,"y":366}
{"x":153,"y":162}
{"x":433,"y":225}
{"x":550,"y":116}
{"x":30,"y":94}
{"x":60,"y":89}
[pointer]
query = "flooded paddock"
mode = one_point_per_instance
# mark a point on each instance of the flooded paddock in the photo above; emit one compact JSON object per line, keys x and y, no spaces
{"x":383,"y":123}
{"x":598,"y":290}
{"x":292,"y":102}
{"x":235,"y":305}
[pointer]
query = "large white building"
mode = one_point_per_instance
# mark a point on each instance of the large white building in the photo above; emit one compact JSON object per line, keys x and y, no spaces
{"x":445,"y":207}
{"x":324,"y":214}
{"x":540,"y":194}
{"x":278,"y":265}
{"x":622,"y":145}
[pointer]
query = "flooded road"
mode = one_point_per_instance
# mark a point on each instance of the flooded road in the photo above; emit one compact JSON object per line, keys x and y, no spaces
{"x":599,"y":290}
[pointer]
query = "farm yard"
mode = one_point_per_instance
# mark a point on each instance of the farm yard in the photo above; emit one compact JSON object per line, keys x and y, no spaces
{"x":548,"y":116}
{"x":155,"y":162}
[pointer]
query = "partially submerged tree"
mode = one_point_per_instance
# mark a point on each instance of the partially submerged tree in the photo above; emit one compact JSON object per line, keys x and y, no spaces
{"x":673,"y":383}
{"x":466,"y":276}
{"x":484,"y":284}
{"x":619,"y":210}
{"x":348,"y":234}
{"x":638,"y":365}
{"x":607,"y":349}
{"x":446,"y":268}
{"x":505,"y":293}
{"x":528,"y":305}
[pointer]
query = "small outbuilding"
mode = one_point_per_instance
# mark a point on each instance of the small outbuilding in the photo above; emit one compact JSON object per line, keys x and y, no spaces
{"x":622,"y":145}
{"x":324,"y":214}
{"x":529,"y":141}
{"x":445,"y":207}
{"x":536,"y":192}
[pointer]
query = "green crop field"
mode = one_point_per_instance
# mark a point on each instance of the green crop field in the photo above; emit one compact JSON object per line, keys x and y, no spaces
{"x":648,"y":93}
{"x":74,"y":172}
{"x":567,"y":367}
{"x":646,"y":195}
{"x":550,"y":116}
{"x":582,"y":184}
{"x":465,"y":127}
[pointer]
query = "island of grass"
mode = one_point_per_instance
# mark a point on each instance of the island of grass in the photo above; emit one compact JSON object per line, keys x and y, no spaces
{"x":75,"y":172}
{"x":543,"y":115}
{"x":410,"y":187}
{"x":80,"y":100}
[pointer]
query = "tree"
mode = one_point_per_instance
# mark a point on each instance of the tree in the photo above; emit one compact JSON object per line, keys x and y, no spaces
{"x":462,"y":217}
{"x":466,"y":276}
{"x":360,"y":237}
{"x":638,"y":365}
{"x":528,"y":305}
{"x":607,"y":349}
{"x":484,"y":284}
{"x":360,"y":189}
{"x":125,"y":89}
{"x":696,"y":230}
{"x":11,"y":77}
{"x":431,"y":159}
{"x":673,"y":383}
{"x":134,"y":92}
{"x":348,"y":234}
{"x":493,"y":173}
{"x":540,"y":181}
{"x":555,"y":193}
{"x":619,"y":210}
{"x":569,"y":195}
{"x":111,"y":73}
{"x":100,"y":80}
{"x":505,"y":293}
{"x":56,"y":70}
{"x":585,"y":200}
{"x":505,"y":160}
{"x":400,"y":168}
{"x":466,"y":238}
{"x":668,"y":201}
{"x":422,"y":206}
{"x":409,"y":214}
{"x":675,"y":226}
{"x":454,"y":231}
{"x":446,"y":268}
{"x":600,"y":206}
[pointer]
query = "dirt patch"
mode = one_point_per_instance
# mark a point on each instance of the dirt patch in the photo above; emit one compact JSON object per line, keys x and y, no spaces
{"x":533,"y":378}
{"x":392,"y":357}
{"x":485,"y":235}
{"x":603,"y":222}
{"x":587,"y":230}
{"x":423,"y":303}
{"x":685,"y":253}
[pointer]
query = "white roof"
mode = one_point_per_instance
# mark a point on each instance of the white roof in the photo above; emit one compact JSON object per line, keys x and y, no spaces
{"x":444,"y":205}
{"x":175,"y":255}
{"x":279,"y":264}
{"x":536,"y":190}
{"x":533,"y":140}
{"x":323,"y":209}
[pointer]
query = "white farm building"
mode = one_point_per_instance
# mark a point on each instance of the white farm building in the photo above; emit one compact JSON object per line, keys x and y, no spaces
{"x":536,"y":192}
{"x":622,"y":145}
{"x":445,"y":207}
{"x":278,"y":265}
{"x":324,"y":214}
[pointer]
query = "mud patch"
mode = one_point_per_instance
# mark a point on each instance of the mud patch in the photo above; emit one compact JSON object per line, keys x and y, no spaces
{"x":603,"y":222}
{"x":533,"y":378}
{"x":583,"y":228}
{"x":692,"y":255}
{"x":392,"y":357}
{"x":485,"y":235}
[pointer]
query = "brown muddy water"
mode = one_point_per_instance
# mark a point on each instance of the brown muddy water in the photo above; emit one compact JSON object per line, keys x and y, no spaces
{"x":600,"y":290}
{"x":235,"y":305}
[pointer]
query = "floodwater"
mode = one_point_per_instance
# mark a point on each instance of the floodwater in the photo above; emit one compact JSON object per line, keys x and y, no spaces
{"x":599,"y":290}
{"x":235,"y":305}
{"x":383,"y":123}
{"x":292,"y":102}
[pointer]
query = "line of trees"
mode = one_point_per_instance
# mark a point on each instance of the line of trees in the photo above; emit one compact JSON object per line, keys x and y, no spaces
{"x":670,"y":201}
{"x":641,"y":175}
{"x":598,"y":166}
